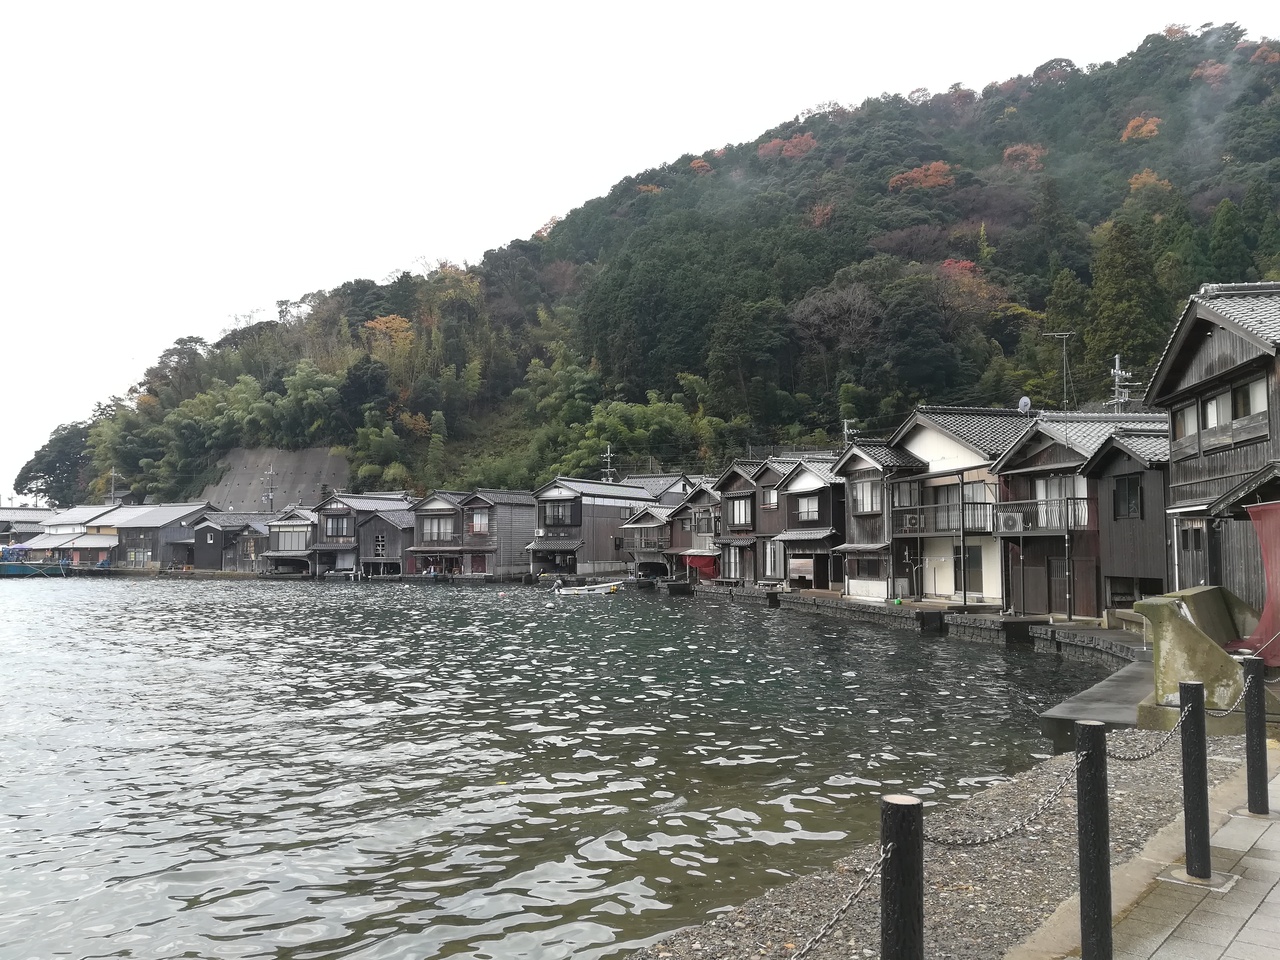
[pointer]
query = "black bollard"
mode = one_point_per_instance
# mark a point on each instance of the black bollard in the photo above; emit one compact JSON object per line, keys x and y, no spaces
{"x":902,"y":878}
{"x":1094,"y":831}
{"x":1195,"y":779}
{"x":1255,"y":734}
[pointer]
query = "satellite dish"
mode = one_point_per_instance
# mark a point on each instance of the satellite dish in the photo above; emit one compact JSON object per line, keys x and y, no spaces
{"x":1024,"y":405}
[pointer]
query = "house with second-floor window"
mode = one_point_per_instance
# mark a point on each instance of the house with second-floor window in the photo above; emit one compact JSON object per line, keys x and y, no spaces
{"x":437,"y":538}
{"x":160,"y":535}
{"x":944,"y":541}
{"x":20,"y":524}
{"x":75,"y":535}
{"x":338,"y":518}
{"x":496,"y":525}
{"x":1047,"y":521}
{"x":1219,"y":381}
{"x":231,"y":541}
{"x":812,"y":503}
{"x":579,"y":531}
{"x":741,"y":511}
{"x":697,"y":519}
{"x":647,"y":537}
{"x":1130,"y":470}
{"x":870,"y":468}
{"x":291,"y":537}
{"x":385,"y":539}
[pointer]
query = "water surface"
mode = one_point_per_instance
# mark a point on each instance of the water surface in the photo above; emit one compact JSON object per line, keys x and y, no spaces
{"x":298,"y":770}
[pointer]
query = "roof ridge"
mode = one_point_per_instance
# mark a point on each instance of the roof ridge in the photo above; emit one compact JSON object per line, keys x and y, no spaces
{"x":1210,"y":290}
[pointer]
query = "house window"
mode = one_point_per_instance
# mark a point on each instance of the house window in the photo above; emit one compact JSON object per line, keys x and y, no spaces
{"x":337,"y":526}
{"x":1185,"y":423}
{"x":480,"y":522}
{"x":740,"y":512}
{"x":769,"y":498}
{"x":866,"y":496}
{"x":291,"y":540}
{"x":1248,"y":399}
{"x":625,"y":512}
{"x":380,"y":545}
{"x":1128,"y":500}
{"x":705,"y":523}
{"x":773,"y":561}
{"x":436,"y":529}
{"x":731,"y":559}
{"x":558,"y":514}
{"x":208,"y":538}
{"x":868,"y":568}
{"x":807,"y":508}
{"x":972,"y":566}
{"x":906,"y":494}
{"x":1216,"y":411}
{"x":686,"y":524}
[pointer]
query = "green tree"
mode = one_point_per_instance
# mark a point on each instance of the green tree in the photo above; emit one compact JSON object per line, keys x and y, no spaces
{"x":60,"y":471}
{"x":1127,"y":312}
{"x":1228,"y":252}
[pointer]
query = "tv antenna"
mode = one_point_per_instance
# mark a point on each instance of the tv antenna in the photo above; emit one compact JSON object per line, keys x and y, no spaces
{"x":269,"y":498}
{"x":607,"y":457}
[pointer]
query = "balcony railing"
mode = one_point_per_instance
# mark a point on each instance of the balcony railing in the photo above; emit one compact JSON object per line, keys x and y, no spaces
{"x":647,"y":542}
{"x":935,"y":518}
{"x":431,"y":539}
{"x":1055,"y":515}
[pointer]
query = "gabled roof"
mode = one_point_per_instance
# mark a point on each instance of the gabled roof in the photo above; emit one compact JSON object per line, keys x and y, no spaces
{"x":741,"y":467}
{"x":81,"y":514}
{"x":710,"y":496}
{"x":34,"y":514}
{"x":987,"y":431}
{"x":515,"y":498}
{"x":656,"y":483}
{"x":596,"y":488}
{"x":370,"y":502}
{"x":822,"y":469}
{"x":881,"y":453}
{"x":649,"y":516}
{"x":294,"y":515}
{"x":161,"y":515}
{"x":1251,"y":310}
{"x":1148,"y":448}
{"x":400,"y":519}
{"x":231,"y":521}
{"x":1081,"y":432}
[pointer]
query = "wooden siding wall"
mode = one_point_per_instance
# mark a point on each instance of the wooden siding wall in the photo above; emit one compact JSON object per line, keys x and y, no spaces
{"x":1028,"y":563}
{"x":1132,"y":547}
{"x":1240,"y":561}
{"x":1220,"y":353}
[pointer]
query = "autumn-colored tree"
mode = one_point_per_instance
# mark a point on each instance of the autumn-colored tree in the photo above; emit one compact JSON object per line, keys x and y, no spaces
{"x":1025,"y":156}
{"x":1148,"y":178}
{"x":544,"y":231}
{"x":771,"y":150}
{"x":700,"y":166}
{"x":1265,"y":54}
{"x":927,"y":177}
{"x":1141,"y":128}
{"x":1212,"y":72}
{"x":648,"y":188}
{"x":819,"y":214}
{"x":798,"y":146}
{"x":1176,"y":31}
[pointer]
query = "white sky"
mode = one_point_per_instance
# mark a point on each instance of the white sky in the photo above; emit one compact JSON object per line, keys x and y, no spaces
{"x":169,"y":166}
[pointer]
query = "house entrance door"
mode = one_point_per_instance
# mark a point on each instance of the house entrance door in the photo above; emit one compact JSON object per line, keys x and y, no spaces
{"x":1193,"y":554}
{"x":1059,"y":585}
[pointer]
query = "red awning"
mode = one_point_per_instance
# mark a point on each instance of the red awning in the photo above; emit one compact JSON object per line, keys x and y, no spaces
{"x":707,"y":566}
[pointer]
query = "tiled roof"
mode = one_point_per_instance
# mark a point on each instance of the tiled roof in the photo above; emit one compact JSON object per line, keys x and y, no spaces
{"x":795,"y":536}
{"x":518,"y":498}
{"x":555,"y":545}
{"x":1085,"y":432}
{"x":229,"y":521}
{"x":401,"y":519}
{"x":34,"y":514}
{"x":881,"y":452}
{"x":82,"y":514}
{"x":160,"y":515}
{"x":1254,"y":306}
{"x":1148,"y":447}
{"x":598,"y":488}
{"x":989,"y":430}
{"x":372,"y":502}
{"x":655,"y":483}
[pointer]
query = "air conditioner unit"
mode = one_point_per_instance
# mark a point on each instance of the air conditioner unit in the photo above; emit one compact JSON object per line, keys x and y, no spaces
{"x":1011,"y":522}
{"x":912,"y":521}
{"x":539,"y":532}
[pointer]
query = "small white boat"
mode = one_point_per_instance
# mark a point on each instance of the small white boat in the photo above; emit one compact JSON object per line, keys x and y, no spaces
{"x":611,"y":587}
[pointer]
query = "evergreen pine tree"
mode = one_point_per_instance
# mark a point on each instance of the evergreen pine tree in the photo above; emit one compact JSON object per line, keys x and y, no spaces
{"x":1127,"y":311}
{"x":1232,"y":262}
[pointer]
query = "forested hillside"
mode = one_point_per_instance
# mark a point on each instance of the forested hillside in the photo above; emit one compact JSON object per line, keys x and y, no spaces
{"x":847,"y":264}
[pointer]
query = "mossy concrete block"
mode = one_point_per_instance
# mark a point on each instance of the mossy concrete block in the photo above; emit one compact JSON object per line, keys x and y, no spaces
{"x":1187,"y":630}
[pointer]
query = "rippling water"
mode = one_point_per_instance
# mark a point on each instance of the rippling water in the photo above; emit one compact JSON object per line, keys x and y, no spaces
{"x":297,"y":770}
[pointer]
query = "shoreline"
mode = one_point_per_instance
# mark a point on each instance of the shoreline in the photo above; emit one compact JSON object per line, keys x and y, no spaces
{"x":1012,"y":897}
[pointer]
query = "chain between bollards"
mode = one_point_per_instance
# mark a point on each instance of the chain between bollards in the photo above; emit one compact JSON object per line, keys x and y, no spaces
{"x":872,"y":872}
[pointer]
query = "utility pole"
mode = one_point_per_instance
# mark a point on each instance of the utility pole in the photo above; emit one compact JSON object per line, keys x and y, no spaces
{"x":607,"y":457}
{"x":850,"y":433}
{"x":1120,"y":386}
{"x":113,"y":483}
{"x":269,"y":498}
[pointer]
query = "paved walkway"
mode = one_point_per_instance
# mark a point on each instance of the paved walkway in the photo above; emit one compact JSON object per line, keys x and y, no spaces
{"x":1176,"y":921}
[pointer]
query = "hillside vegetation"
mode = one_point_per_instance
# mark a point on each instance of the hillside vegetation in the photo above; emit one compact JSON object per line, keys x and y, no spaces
{"x":845,"y":265}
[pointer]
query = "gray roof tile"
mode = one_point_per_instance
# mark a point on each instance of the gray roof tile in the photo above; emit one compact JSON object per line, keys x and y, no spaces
{"x":1254,"y":306}
{"x":989,"y":430}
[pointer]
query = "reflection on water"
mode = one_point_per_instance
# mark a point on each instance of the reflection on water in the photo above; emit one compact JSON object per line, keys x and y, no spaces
{"x":405,"y":771}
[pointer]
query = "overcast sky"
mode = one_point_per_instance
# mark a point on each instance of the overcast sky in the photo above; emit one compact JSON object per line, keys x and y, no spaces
{"x":170,"y":166}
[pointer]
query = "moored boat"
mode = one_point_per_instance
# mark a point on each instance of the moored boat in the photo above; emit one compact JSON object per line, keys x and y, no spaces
{"x":612,"y":587}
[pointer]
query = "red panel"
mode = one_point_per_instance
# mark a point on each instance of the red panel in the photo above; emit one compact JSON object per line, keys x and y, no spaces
{"x":1266,"y":524}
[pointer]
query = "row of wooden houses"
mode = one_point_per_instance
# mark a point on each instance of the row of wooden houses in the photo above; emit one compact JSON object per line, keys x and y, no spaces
{"x":1065,"y":513}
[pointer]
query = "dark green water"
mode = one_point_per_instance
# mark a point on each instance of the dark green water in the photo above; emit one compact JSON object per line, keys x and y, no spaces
{"x":298,"y":770}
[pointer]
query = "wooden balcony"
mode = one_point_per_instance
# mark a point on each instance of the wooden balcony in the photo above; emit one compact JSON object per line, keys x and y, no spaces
{"x":1058,"y":515}
{"x":933,"y":519}
{"x":649,"y":542}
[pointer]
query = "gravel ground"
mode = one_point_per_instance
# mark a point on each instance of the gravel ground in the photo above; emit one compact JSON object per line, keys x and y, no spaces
{"x":979,"y":901}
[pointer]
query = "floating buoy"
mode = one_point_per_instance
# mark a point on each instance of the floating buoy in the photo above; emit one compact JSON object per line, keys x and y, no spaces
{"x":550,"y":605}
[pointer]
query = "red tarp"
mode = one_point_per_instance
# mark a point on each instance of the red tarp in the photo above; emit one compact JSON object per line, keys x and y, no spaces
{"x":708,"y":567}
{"x":1266,"y":524}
